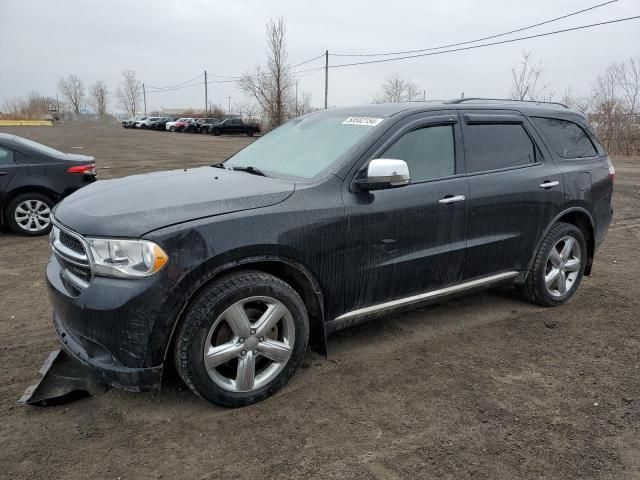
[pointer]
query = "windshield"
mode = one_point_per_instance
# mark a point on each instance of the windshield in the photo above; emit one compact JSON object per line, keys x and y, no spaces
{"x":39,"y":147}
{"x":306,"y":146}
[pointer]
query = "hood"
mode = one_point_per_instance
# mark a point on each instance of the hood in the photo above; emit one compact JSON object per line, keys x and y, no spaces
{"x":135,"y":205}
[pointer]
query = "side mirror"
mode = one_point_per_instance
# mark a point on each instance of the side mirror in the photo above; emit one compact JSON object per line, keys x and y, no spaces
{"x":382,"y":173}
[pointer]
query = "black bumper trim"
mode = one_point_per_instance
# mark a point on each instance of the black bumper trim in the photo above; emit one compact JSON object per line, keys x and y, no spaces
{"x":118,"y":376}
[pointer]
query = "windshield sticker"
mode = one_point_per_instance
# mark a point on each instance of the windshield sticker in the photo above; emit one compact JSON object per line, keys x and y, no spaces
{"x":366,"y":121}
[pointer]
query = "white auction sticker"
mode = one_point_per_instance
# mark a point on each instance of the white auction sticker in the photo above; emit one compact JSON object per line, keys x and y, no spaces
{"x":366,"y":121}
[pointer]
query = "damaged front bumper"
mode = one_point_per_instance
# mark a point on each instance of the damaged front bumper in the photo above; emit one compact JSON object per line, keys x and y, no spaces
{"x":118,"y":329}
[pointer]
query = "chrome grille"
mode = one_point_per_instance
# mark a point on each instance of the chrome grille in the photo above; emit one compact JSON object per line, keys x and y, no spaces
{"x":71,"y":242}
{"x":69,"y":248}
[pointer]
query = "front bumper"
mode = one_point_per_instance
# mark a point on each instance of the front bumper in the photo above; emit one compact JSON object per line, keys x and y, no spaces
{"x":118,"y":328}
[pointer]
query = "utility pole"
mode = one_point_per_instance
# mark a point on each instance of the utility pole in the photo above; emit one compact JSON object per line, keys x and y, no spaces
{"x":229,"y":105}
{"x":326,"y":77}
{"x":206,"y":99}
{"x":144,"y":96}
{"x":424,"y":95}
{"x":297,"y":97}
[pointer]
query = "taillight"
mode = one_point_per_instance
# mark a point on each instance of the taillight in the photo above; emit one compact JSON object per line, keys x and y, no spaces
{"x":89,"y":169}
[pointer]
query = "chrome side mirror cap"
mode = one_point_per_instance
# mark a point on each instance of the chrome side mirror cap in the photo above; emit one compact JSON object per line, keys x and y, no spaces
{"x":383,"y":173}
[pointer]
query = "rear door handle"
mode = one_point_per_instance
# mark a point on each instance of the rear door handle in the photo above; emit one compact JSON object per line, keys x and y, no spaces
{"x":452,"y":199}
{"x":549,"y":184}
{"x":2,"y":174}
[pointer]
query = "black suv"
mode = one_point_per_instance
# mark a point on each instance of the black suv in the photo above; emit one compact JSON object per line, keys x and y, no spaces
{"x":33,"y":178}
{"x":337,"y":216}
{"x":234,"y":125}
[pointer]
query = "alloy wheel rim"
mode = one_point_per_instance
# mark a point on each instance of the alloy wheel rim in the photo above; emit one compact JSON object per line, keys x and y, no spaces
{"x":249,"y":344}
{"x":563,"y":266}
{"x":33,"y":215}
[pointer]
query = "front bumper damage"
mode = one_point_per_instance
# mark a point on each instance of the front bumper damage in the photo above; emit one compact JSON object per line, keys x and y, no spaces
{"x":63,"y":380}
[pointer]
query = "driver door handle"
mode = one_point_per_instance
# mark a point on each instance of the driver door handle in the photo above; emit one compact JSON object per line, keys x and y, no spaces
{"x":2,"y":174}
{"x":549,"y":184}
{"x":452,"y":199}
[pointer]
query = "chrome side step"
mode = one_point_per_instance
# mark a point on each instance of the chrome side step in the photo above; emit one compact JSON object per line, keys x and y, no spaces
{"x":347,"y":319}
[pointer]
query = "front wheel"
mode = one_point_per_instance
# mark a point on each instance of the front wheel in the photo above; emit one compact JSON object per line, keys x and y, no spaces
{"x":242,"y":339}
{"x":216,"y":132}
{"x":172,"y":129}
{"x":558,"y":266}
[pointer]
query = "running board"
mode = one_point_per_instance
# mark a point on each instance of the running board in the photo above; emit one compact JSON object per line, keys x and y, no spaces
{"x":351,"y":318}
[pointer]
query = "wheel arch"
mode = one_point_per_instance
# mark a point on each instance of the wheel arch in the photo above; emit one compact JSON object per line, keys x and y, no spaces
{"x":582,"y":219}
{"x":301,"y":279}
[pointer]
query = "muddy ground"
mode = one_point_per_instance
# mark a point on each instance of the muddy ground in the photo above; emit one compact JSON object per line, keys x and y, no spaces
{"x":483,"y":387}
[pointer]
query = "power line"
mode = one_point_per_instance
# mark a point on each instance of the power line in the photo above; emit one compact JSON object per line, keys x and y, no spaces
{"x":528,"y":27}
{"x":176,"y":85}
{"x":471,"y":47}
{"x":176,"y":88}
{"x":315,"y":58}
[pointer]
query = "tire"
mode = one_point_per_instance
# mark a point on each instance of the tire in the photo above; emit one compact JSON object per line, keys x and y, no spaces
{"x":29,"y":214}
{"x":216,"y":132}
{"x":203,"y":130}
{"x":249,"y":132}
{"x":172,"y":129}
{"x":552,"y":257}
{"x":240,"y":343}
{"x":143,"y":126}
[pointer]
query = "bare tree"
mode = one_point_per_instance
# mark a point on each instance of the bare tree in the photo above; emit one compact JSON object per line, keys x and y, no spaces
{"x":34,"y":106}
{"x":527,"y":80}
{"x":247,"y":108}
{"x":397,"y":89}
{"x":615,"y":107}
{"x":215,"y":110}
{"x":72,"y":89}
{"x":575,"y":102}
{"x":270,"y":86}
{"x":99,"y":97}
{"x":129,"y":92}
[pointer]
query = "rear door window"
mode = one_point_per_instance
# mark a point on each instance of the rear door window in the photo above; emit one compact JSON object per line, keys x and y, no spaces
{"x":496,"y":146}
{"x":566,"y":138}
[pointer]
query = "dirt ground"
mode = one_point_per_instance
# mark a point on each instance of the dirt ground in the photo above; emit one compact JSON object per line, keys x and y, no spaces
{"x":483,"y":387}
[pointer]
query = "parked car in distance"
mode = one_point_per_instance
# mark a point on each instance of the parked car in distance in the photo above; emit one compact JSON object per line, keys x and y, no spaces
{"x":131,"y":122}
{"x":198,"y":125}
{"x":180,"y":125}
{"x":329,"y":220}
{"x":162,"y":123}
{"x":192,"y":125}
{"x":33,"y":178}
{"x":146,"y":122}
{"x":171,"y":125}
{"x":234,"y":125}
{"x":153,"y":124}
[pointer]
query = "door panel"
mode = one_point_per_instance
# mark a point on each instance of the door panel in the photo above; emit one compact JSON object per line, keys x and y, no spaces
{"x":404,"y":241}
{"x":8,"y":168}
{"x":508,"y":208}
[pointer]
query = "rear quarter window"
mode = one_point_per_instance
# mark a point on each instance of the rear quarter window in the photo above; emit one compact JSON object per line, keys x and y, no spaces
{"x":566,"y":139}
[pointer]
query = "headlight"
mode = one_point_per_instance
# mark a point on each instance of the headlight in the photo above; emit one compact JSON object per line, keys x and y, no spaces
{"x":126,"y":258}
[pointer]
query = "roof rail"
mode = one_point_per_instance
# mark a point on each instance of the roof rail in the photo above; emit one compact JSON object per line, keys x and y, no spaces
{"x":480,"y":99}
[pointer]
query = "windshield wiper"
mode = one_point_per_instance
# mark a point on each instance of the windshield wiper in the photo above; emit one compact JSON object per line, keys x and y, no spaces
{"x":250,"y":169}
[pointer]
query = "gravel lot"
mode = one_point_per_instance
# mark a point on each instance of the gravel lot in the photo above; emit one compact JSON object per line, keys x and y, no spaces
{"x":483,"y":387}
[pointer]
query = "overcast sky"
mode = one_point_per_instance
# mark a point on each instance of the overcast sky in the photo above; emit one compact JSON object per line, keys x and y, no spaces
{"x":169,"y":42}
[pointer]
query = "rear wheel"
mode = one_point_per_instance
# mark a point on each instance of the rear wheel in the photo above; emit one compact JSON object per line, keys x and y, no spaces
{"x":242,"y":339}
{"x":558,"y":266}
{"x":172,"y":129}
{"x":216,"y":132}
{"x":249,"y":132}
{"x":30,"y":214}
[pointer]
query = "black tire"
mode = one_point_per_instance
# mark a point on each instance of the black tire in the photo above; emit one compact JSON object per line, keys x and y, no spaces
{"x":143,"y":126}
{"x":200,"y":317}
{"x":216,"y":132}
{"x":20,"y":199}
{"x":172,"y":128}
{"x":535,"y":289}
{"x":249,"y":132}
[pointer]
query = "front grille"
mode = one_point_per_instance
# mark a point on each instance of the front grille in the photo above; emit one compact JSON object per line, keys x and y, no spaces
{"x":69,"y":248}
{"x":72,"y":242}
